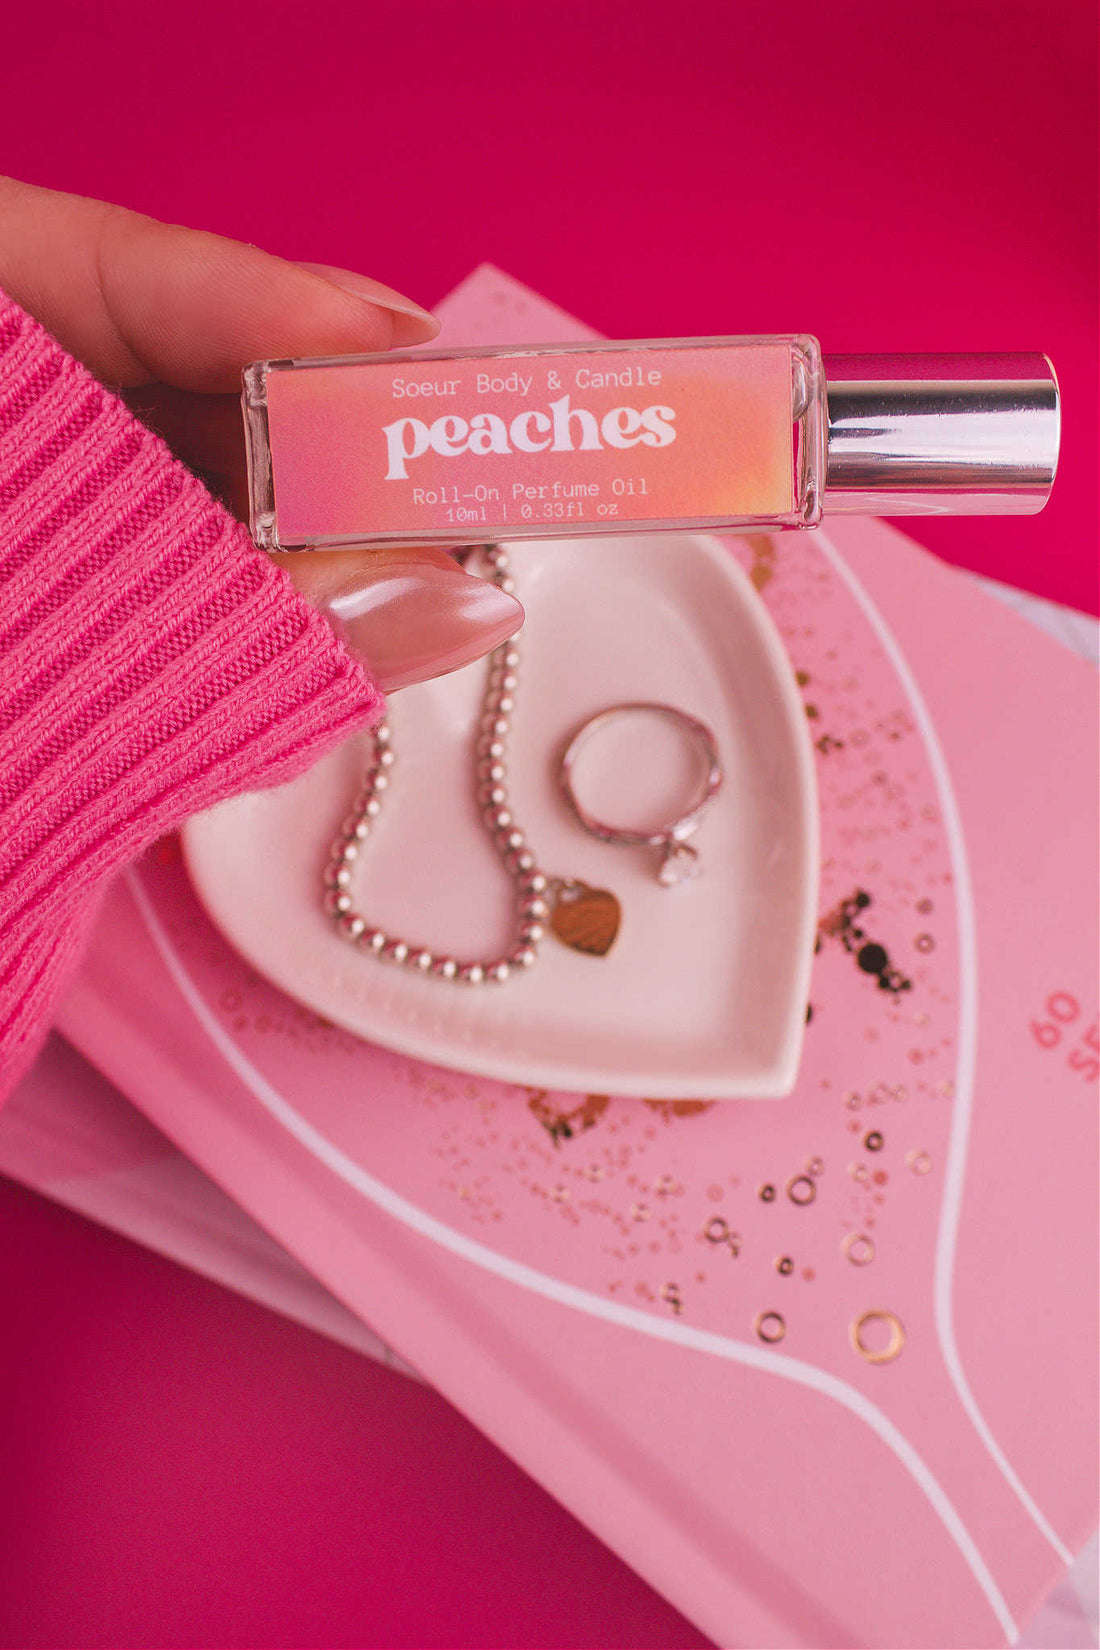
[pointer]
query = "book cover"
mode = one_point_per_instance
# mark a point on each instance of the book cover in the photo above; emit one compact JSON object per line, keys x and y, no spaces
{"x":823,"y":1370}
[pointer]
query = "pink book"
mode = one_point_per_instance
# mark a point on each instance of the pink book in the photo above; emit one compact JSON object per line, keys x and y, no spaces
{"x":822,"y":1369}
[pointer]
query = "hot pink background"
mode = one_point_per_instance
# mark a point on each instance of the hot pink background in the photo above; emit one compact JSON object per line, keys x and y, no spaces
{"x":179,"y":1467}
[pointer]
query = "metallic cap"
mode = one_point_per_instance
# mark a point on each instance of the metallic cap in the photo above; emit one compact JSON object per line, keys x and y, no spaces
{"x":940,"y":434}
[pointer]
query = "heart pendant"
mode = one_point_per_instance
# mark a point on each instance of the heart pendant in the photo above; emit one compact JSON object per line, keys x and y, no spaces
{"x":587,"y":919}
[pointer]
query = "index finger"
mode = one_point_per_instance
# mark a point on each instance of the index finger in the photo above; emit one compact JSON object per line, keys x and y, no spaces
{"x":144,"y":302}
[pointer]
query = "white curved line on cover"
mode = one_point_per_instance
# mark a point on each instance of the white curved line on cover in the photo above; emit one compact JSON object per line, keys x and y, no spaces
{"x":963,"y":1102}
{"x":565,"y":1294}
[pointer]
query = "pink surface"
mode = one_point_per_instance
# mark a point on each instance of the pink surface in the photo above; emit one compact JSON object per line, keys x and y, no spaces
{"x":923,"y":181}
{"x":212,"y":1474}
{"x":568,"y":1292}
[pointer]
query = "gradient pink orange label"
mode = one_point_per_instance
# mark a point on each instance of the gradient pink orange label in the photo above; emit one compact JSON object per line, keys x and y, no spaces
{"x":530,"y":443}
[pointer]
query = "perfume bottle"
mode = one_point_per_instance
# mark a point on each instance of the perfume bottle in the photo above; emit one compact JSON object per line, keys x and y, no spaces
{"x":458,"y":447}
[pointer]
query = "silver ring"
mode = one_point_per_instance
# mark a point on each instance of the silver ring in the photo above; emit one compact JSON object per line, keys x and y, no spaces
{"x":678,"y":859}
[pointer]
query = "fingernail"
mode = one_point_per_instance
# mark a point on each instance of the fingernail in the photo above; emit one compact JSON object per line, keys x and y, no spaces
{"x":415,"y":620}
{"x":411,"y":323}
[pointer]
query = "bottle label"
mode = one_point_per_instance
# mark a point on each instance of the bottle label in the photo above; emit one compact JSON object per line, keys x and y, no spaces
{"x":492,"y":446}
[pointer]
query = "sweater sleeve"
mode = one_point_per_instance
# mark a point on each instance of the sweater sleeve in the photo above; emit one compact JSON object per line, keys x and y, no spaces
{"x":152,"y":662}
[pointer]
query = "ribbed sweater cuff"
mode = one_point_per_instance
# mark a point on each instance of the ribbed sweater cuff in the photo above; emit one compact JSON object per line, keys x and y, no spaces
{"x":152,"y":662}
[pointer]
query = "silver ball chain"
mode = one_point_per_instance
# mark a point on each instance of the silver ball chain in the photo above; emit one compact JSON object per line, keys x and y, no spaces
{"x":534,"y":890}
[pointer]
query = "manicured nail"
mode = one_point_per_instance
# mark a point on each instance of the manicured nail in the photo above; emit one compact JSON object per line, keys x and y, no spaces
{"x":414,"y":620}
{"x":411,"y":325}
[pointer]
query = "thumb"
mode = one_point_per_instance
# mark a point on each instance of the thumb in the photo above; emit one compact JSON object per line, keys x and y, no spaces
{"x":409,"y":613}
{"x":144,"y":302}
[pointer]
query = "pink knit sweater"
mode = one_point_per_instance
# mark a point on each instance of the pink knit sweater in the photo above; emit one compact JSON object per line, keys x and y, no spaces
{"x":152,"y":662}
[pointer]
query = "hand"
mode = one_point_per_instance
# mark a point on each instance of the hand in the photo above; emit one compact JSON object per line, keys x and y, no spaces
{"x":168,"y":317}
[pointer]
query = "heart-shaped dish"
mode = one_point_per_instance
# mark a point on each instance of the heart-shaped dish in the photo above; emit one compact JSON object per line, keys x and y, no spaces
{"x":703,"y":993}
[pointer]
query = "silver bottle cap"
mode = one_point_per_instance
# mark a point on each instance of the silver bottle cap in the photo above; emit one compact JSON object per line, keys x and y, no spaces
{"x":940,"y":434}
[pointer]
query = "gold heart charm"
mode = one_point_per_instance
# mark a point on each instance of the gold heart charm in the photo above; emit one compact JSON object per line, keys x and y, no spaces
{"x":587,"y":919}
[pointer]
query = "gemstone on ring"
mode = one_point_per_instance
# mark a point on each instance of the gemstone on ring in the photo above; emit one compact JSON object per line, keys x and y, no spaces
{"x":681,"y":861}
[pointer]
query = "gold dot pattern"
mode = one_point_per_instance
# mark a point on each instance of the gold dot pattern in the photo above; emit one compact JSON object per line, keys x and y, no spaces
{"x":859,"y":1248}
{"x":770,"y":1326}
{"x":801,"y":1190}
{"x":866,"y":1324}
